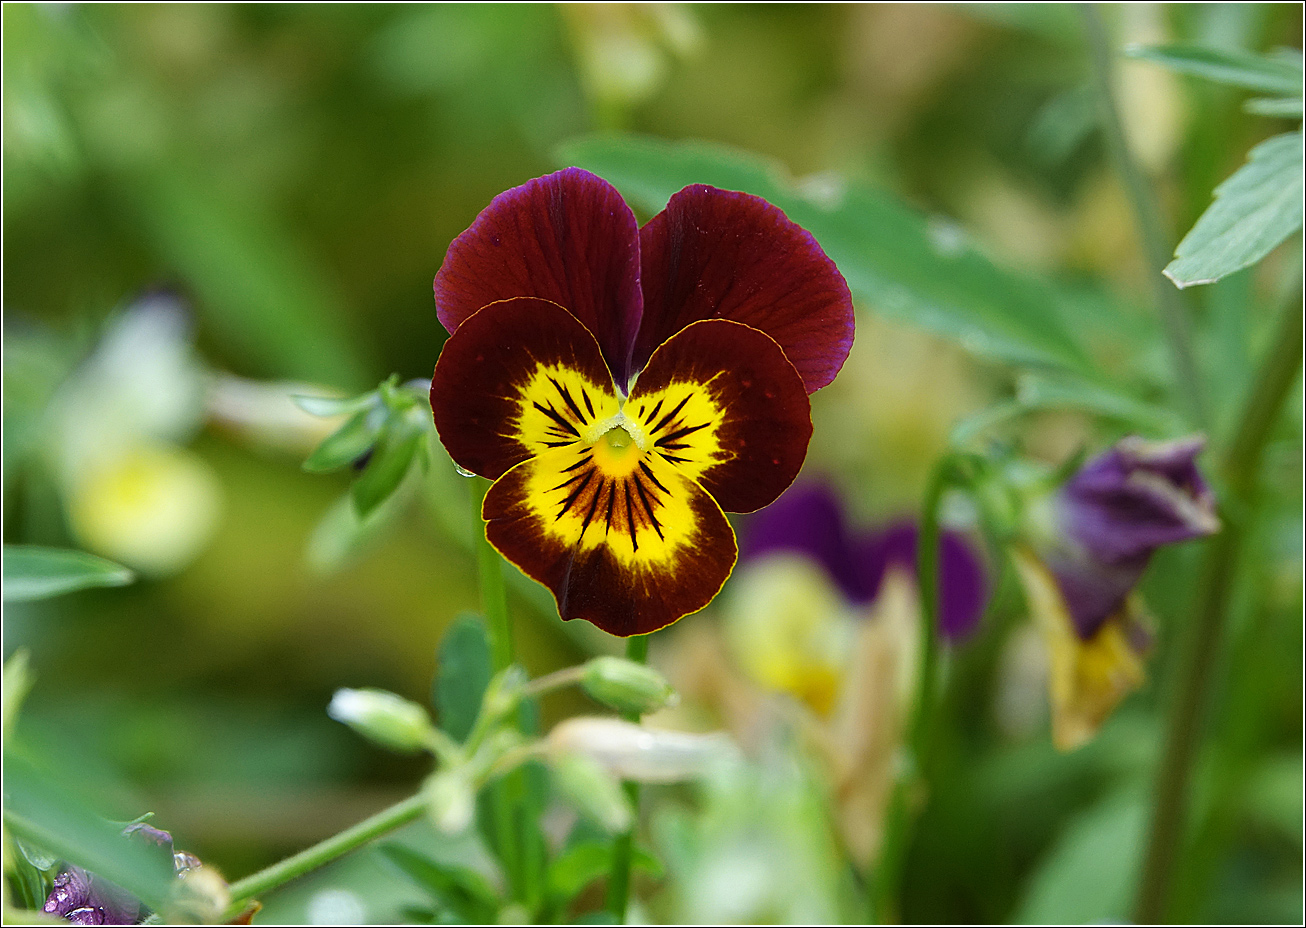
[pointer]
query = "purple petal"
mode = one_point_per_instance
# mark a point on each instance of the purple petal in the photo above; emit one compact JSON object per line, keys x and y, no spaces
{"x":1135,"y":497}
{"x":807,"y":519}
{"x":71,"y":889}
{"x":1119,"y":508}
{"x":963,"y":581}
{"x":568,"y":238}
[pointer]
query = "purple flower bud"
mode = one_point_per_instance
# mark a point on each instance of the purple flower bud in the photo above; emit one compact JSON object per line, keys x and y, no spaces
{"x":808,"y":519}
{"x":1119,"y":508}
{"x":84,"y":898}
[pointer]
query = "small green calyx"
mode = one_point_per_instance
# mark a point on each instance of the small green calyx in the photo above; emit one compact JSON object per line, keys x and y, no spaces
{"x":626,"y":686}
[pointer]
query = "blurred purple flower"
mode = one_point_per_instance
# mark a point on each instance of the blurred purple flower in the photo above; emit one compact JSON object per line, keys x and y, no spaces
{"x":1119,"y":508}
{"x":84,"y":898}
{"x":1090,"y":542}
{"x":808,"y":519}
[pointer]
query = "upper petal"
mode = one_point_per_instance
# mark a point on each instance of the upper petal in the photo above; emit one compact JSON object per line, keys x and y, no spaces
{"x":519,"y":377}
{"x":721,"y":402}
{"x":716,"y":254}
{"x":568,"y":238}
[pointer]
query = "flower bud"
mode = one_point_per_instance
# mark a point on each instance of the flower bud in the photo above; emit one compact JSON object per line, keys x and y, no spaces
{"x":593,"y":790}
{"x":451,"y":800}
{"x":631,"y":752}
{"x":387,"y":719}
{"x":626,"y":686}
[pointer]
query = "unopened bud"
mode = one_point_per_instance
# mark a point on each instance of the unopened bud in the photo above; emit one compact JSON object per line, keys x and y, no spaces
{"x":632,"y":752}
{"x":387,"y":719}
{"x":451,"y":800}
{"x":626,"y":686}
{"x":594,"y":791}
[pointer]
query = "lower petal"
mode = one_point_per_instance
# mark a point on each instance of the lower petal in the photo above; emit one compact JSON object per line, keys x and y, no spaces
{"x":631,"y":552}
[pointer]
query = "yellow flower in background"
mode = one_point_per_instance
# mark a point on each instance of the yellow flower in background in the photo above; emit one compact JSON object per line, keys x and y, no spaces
{"x":132,"y":491}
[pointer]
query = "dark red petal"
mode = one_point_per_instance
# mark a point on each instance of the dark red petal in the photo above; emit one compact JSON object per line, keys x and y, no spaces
{"x":568,"y":238}
{"x":518,"y":378}
{"x":721,"y":402}
{"x":630,"y":552}
{"x":713,"y":254}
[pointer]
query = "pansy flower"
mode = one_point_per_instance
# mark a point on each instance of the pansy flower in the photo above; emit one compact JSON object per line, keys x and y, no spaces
{"x":624,"y":387}
{"x":1091,"y":542}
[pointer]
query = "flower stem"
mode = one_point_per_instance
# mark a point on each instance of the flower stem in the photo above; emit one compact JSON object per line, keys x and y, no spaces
{"x":494,"y":594}
{"x":619,"y":879}
{"x":1156,"y":244}
{"x":324,"y":852}
{"x":905,"y":800}
{"x":1183,"y":725}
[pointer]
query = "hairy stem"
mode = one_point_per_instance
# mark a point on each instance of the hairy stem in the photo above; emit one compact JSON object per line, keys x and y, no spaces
{"x":324,"y":852}
{"x":1157,"y":246}
{"x":1197,"y":659}
{"x":619,"y":879}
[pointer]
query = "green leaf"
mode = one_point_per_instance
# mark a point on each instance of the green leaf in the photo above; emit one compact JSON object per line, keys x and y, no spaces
{"x":896,"y":261}
{"x":586,"y":861}
{"x":43,"y":807}
{"x":34,"y":572}
{"x":464,"y":891}
{"x":1283,"y":107}
{"x":326,"y":406}
{"x":395,"y":451}
{"x":1034,"y":391}
{"x":1241,"y":69}
{"x":346,"y":444}
{"x":463,"y":672}
{"x":1254,"y":210}
{"x":1090,"y":874}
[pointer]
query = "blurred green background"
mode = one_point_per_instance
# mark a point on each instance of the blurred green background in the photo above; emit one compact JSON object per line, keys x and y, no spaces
{"x":293,"y":174}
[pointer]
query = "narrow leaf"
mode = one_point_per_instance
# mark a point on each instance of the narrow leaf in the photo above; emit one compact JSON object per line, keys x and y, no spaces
{"x":34,"y":572}
{"x":345,"y":445}
{"x":1254,"y":210}
{"x":1282,"y":107}
{"x":1241,"y":69}
{"x":395,"y":451}
{"x":44,"y":809}
{"x":332,"y":405}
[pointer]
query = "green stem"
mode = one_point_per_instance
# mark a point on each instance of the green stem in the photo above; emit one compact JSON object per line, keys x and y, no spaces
{"x":494,"y":593}
{"x":1156,"y":243}
{"x":619,"y":879}
{"x":904,"y":801}
{"x":1197,"y":659}
{"x":324,"y":852}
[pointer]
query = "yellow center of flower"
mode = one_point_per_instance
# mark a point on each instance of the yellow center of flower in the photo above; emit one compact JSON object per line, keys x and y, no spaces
{"x":616,"y":453}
